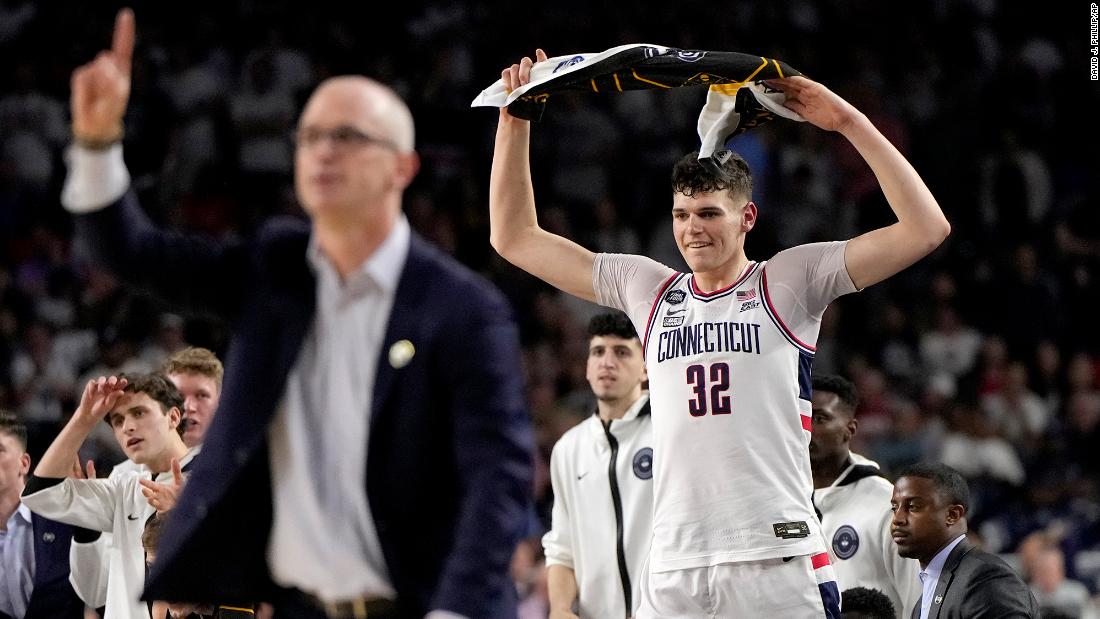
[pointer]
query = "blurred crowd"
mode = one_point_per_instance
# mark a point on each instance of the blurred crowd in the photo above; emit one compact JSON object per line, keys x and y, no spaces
{"x":985,"y":356}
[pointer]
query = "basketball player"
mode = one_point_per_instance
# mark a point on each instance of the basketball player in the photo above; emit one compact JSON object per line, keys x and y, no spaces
{"x":854,"y":500}
{"x":729,"y":347}
{"x":602,"y":473}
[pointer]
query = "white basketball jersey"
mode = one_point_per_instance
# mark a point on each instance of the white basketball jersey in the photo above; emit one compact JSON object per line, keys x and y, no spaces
{"x":730,"y":396}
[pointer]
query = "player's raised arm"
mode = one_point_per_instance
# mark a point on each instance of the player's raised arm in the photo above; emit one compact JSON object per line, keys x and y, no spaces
{"x":514,"y":228}
{"x":921,"y":226}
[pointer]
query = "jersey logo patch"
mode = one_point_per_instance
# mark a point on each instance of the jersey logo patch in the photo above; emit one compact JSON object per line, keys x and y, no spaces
{"x":643,"y":463}
{"x":791,"y":530}
{"x":748,"y":305}
{"x":672,"y":321}
{"x":675,"y":297}
{"x":845,"y":542}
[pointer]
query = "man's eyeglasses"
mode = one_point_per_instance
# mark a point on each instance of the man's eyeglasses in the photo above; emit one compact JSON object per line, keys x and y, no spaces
{"x":343,"y":138}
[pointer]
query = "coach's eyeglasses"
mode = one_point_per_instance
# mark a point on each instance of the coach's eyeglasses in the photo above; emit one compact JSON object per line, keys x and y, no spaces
{"x":344,"y":138}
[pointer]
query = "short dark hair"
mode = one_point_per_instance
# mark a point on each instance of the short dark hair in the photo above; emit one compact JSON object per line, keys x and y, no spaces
{"x":159,"y":388}
{"x":842,"y":387}
{"x":13,"y":425}
{"x":863,"y":602}
{"x":612,"y":323}
{"x":691,"y":176}
{"x":949,"y":483}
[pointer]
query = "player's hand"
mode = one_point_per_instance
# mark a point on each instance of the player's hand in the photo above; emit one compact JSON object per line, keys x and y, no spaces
{"x":562,"y":614}
{"x":79,"y":473}
{"x":519,"y":75}
{"x":163,"y":497}
{"x":101,"y":88}
{"x":99,"y":397}
{"x":816,"y":103}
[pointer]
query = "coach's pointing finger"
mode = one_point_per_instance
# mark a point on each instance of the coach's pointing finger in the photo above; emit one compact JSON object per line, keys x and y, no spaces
{"x":101,"y":88}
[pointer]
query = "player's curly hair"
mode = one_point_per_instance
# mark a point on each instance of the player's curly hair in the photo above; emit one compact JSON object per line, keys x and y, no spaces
{"x":726,"y":171}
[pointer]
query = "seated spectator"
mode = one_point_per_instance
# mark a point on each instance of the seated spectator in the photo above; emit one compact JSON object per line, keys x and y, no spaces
{"x":1046,"y":570}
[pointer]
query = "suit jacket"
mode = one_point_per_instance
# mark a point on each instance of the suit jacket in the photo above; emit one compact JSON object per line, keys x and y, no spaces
{"x":450,"y":448}
{"x":52,"y":597}
{"x":976,"y":584}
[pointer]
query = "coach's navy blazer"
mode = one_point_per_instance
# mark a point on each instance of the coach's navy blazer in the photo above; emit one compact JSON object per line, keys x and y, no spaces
{"x":450,"y":453}
{"x":52,"y":596}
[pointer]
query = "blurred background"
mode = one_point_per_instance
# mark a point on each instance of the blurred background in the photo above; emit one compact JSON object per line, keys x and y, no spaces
{"x":985,"y":356}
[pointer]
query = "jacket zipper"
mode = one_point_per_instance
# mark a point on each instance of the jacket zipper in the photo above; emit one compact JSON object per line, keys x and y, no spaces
{"x":617,"y":502}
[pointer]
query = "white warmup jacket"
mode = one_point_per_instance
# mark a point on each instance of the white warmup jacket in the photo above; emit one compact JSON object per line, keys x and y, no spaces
{"x":89,"y":562}
{"x":115,"y":506}
{"x":603,"y":510}
{"x":855,"y":518}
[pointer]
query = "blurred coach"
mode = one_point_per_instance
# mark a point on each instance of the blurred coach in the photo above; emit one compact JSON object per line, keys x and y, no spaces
{"x":371,"y":454}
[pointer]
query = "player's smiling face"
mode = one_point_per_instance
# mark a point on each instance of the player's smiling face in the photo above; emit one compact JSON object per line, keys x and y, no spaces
{"x":710,"y":229}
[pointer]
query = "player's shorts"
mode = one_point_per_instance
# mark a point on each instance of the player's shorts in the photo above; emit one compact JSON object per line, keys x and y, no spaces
{"x":801,"y":587}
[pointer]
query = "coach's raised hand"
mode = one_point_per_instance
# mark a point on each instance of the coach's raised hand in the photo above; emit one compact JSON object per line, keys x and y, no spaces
{"x":101,"y":88}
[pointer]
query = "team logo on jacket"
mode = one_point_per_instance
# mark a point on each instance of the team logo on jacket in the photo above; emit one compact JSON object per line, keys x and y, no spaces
{"x":675,"y":297}
{"x":643,"y":463}
{"x":845,"y":542}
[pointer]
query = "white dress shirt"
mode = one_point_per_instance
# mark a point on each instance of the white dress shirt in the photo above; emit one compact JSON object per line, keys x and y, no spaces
{"x":323,"y":538}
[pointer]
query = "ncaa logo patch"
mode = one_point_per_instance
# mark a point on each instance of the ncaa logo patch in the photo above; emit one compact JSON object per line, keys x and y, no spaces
{"x":675,"y":297}
{"x":643,"y":463}
{"x":845,"y":542}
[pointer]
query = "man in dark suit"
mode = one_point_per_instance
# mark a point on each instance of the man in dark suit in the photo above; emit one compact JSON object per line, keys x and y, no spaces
{"x":372,"y":453}
{"x":959,"y":580}
{"x":34,"y":551}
